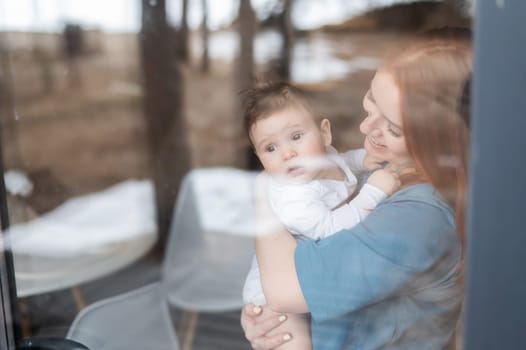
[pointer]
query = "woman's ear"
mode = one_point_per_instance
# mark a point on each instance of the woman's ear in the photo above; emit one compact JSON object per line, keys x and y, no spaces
{"x":325,"y":127}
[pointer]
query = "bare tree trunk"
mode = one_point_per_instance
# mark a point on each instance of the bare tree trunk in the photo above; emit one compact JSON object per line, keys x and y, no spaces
{"x":205,"y":62}
{"x":8,"y":122}
{"x":163,"y":106}
{"x":46,"y":69}
{"x":245,"y":78}
{"x":247,"y":31}
{"x":42,"y":58}
{"x":285,"y":28}
{"x":73,"y":42}
{"x":184,"y":51}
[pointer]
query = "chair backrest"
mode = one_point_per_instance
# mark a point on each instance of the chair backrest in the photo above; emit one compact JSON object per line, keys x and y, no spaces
{"x":139,"y":319}
{"x":211,"y":240}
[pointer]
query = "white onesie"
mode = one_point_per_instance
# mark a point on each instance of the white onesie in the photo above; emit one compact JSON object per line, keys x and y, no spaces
{"x":314,"y":210}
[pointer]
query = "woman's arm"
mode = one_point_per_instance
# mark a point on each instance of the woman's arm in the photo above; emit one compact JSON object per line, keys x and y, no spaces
{"x":275,"y":254}
{"x":275,"y":248}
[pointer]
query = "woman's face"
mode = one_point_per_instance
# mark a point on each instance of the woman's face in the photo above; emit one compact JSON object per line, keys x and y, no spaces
{"x":384,"y":138}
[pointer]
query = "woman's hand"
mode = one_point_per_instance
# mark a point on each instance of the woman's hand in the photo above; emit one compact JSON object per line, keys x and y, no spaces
{"x":258,"y":322}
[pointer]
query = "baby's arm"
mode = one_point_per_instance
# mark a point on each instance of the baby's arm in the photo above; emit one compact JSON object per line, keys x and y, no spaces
{"x":381,"y":184}
{"x":303,"y":212}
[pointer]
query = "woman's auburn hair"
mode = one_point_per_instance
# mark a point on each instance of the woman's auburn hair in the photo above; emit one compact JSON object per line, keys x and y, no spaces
{"x":431,"y":77}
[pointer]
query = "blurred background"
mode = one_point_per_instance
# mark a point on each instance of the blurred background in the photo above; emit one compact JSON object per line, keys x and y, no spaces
{"x":94,"y":93}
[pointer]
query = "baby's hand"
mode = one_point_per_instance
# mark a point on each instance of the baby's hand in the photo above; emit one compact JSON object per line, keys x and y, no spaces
{"x":386,"y":180}
{"x":371,"y":163}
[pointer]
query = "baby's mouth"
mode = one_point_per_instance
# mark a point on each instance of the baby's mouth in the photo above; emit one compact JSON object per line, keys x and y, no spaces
{"x":295,"y":171}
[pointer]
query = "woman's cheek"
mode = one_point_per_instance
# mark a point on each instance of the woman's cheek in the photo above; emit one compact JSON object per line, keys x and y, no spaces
{"x":363,"y":125}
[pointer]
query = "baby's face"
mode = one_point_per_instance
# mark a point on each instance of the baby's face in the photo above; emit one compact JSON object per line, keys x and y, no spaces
{"x":289,"y":142}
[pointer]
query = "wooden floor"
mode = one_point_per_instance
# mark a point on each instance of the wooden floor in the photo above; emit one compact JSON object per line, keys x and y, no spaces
{"x":51,"y":314}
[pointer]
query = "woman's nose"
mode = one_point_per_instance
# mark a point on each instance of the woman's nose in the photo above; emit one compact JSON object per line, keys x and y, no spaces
{"x":368,"y":124}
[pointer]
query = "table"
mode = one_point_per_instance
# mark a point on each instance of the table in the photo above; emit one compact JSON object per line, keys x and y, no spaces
{"x":85,"y":238}
{"x":35,"y":274}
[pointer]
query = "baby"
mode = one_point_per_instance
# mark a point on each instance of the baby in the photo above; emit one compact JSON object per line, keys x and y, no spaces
{"x":309,"y":183}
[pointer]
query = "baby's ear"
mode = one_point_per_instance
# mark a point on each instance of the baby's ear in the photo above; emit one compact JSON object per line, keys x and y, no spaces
{"x":325,"y":127}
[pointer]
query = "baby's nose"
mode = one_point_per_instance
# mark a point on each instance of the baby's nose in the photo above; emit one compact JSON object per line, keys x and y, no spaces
{"x":289,"y":153}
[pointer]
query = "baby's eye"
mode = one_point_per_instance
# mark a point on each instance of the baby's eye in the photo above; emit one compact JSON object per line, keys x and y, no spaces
{"x":270,"y":148}
{"x":296,"y":136}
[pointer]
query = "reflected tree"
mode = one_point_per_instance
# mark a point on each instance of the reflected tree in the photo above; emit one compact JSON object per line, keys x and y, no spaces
{"x":285,"y":29}
{"x":245,"y":72}
{"x":163,"y":106}
{"x":73,"y":47}
{"x":184,"y":32}
{"x":205,"y":59}
{"x":45,"y":64}
{"x":247,"y":30}
{"x":42,"y":57}
{"x":278,"y":17}
{"x":8,"y":123}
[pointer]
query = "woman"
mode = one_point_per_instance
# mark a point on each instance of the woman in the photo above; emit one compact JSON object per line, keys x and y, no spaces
{"x":392,"y":282}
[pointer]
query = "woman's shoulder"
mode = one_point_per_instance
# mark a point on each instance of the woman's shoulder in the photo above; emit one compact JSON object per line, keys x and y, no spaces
{"x":418,"y":207}
{"x":420,"y":198}
{"x":416,"y":220}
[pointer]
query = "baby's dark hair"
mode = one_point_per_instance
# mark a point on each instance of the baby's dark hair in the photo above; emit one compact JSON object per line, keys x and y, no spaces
{"x":266,"y":98}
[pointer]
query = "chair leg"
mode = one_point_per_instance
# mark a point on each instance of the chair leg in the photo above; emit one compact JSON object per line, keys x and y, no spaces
{"x":78,"y":298}
{"x":189,"y":323}
{"x":25,"y":321}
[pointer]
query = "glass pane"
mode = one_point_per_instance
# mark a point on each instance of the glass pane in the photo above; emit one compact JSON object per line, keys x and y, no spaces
{"x":130,"y":177}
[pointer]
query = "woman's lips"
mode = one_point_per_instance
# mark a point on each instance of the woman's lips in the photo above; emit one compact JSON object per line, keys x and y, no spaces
{"x":375,"y":143}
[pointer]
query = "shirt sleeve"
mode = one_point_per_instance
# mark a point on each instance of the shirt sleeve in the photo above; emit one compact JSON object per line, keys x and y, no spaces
{"x":350,"y":214}
{"x":304,"y":213}
{"x":374,"y":260}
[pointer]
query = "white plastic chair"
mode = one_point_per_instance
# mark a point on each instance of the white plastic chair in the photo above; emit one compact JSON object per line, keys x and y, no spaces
{"x":211,"y":240}
{"x":139,"y":319}
{"x":208,"y":255}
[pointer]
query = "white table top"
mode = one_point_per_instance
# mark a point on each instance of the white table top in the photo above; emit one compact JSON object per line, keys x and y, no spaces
{"x":85,"y":238}
{"x":40,"y":274}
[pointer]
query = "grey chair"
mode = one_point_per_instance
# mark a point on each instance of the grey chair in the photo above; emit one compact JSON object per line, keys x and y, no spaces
{"x":211,"y":240}
{"x":211,"y":244}
{"x":138,"y":319}
{"x":208,"y":254}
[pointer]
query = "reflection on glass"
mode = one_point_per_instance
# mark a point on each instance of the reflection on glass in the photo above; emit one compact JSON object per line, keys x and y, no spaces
{"x":102,"y":117}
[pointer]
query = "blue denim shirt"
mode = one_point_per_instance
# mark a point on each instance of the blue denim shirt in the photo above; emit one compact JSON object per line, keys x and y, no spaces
{"x":389,"y":282}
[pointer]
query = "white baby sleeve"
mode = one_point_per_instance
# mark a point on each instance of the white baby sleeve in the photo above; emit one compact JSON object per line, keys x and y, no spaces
{"x":301,"y":210}
{"x":252,"y":290}
{"x":350,"y":214}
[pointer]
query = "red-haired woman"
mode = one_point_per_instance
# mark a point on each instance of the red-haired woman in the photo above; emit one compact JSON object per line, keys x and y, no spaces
{"x":391,"y":282}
